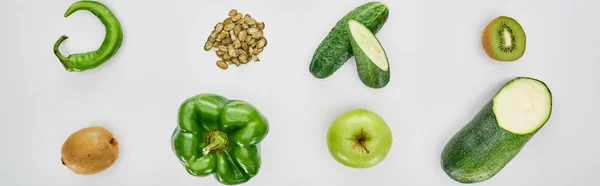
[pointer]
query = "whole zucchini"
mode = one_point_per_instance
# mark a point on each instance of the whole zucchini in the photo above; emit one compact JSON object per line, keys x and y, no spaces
{"x":498,"y":132}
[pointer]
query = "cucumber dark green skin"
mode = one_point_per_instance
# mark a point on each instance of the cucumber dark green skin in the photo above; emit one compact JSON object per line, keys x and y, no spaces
{"x":371,"y":75}
{"x":335,"y":49}
{"x":481,"y":149}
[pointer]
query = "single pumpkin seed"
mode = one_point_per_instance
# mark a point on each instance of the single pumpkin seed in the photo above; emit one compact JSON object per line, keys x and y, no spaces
{"x":232,"y":51}
{"x":261,"y":25}
{"x":233,"y":12}
{"x":237,"y":44}
{"x":241,"y":52}
{"x":227,"y":21}
{"x":234,"y":19}
{"x":244,"y":46}
{"x":235,"y":61}
{"x":243,"y":57}
{"x":245,"y":26}
{"x":222,"y":64}
{"x":242,"y":35}
{"x":214,"y":34}
{"x":239,"y":16}
{"x":229,"y":26}
{"x":232,"y":35}
{"x":219,"y":27}
{"x":237,"y":29}
{"x":251,"y":31}
{"x":223,"y":48}
{"x":247,"y":60}
{"x":252,"y":41}
{"x":239,"y":21}
{"x":226,"y":57}
{"x":211,"y":39}
{"x":261,"y":43}
{"x":249,"y":20}
{"x":257,"y":35}
{"x":226,"y":41}
{"x":208,"y":45}
{"x":221,"y":36}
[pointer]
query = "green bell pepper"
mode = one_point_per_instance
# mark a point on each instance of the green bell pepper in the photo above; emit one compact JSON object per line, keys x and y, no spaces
{"x":219,"y":136}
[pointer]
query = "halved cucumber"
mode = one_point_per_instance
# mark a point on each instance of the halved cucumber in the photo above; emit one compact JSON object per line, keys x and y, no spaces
{"x":371,"y":60}
{"x":335,"y":49}
{"x":498,"y":132}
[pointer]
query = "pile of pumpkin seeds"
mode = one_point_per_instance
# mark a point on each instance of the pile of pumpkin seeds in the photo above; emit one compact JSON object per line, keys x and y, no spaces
{"x":237,"y":40}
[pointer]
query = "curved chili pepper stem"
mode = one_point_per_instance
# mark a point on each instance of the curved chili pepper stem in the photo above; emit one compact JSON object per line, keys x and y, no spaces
{"x":60,"y":56}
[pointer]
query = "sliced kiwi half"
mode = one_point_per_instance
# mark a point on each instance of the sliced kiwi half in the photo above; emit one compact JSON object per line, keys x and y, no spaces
{"x":504,"y":39}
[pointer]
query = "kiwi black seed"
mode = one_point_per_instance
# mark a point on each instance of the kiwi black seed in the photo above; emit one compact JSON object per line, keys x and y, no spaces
{"x":89,"y":150}
{"x":504,"y":39}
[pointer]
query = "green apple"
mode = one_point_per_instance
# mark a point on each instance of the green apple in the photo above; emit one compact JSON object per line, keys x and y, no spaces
{"x":359,"y":139}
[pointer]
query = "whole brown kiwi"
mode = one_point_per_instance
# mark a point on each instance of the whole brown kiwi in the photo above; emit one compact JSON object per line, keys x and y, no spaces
{"x":90,"y":150}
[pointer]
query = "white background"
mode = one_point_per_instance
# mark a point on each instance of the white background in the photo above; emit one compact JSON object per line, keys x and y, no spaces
{"x":441,"y":77}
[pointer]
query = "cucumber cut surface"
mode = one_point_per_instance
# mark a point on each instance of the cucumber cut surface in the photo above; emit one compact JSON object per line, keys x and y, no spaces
{"x":523,"y":105}
{"x":368,"y":43}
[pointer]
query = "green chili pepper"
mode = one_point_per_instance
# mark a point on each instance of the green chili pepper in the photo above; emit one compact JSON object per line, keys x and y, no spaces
{"x":220,"y":136}
{"x":110,"y":45}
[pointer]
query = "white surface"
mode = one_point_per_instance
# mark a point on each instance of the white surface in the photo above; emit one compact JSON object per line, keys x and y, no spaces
{"x":440,"y":78}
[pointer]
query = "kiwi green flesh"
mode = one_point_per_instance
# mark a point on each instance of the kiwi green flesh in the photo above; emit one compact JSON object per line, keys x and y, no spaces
{"x":507,"y":28}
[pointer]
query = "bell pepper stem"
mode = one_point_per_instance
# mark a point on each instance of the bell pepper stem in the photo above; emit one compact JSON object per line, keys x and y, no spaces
{"x":216,"y":140}
{"x":209,"y":148}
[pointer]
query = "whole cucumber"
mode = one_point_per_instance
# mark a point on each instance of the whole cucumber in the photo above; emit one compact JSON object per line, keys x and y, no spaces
{"x":336,"y":49}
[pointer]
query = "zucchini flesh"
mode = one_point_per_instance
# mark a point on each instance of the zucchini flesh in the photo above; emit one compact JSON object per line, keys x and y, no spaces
{"x":523,"y":106}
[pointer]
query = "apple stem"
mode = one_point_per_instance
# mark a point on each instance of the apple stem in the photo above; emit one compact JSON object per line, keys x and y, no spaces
{"x":364,"y":146}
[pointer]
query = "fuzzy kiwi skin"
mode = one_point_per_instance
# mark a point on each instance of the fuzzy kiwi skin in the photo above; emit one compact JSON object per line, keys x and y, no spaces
{"x":89,"y":150}
{"x":486,"y":41}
